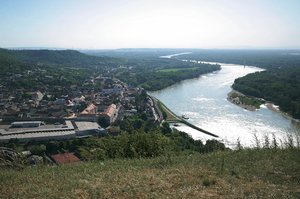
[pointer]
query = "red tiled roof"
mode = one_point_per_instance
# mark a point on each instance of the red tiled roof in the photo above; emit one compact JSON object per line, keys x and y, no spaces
{"x":65,"y":158}
{"x":111,"y":110}
{"x":91,"y":109}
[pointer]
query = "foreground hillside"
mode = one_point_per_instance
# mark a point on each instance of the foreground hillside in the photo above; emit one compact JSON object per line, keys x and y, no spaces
{"x":240,"y":174}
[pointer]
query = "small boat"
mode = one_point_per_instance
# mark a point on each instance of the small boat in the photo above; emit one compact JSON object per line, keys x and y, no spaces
{"x":185,"y":117}
{"x":176,"y":124}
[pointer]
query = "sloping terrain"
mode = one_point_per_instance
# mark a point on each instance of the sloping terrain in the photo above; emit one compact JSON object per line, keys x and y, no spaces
{"x":265,"y":173}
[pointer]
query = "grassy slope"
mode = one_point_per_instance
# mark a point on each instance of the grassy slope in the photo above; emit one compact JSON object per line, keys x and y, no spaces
{"x":250,"y":174}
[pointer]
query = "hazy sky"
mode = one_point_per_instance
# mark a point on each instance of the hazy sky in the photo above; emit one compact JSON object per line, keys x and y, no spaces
{"x":150,"y":23}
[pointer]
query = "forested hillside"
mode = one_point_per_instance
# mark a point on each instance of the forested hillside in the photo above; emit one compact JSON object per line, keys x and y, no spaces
{"x":41,"y":69}
{"x":55,"y":57}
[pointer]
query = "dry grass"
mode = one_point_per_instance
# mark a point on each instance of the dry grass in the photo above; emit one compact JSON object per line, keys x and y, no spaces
{"x":245,"y":174}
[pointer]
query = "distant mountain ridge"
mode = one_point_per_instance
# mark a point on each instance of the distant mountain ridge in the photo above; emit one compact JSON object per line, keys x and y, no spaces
{"x":52,"y":57}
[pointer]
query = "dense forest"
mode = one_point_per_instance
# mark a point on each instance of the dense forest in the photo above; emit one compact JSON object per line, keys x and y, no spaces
{"x":281,"y":86}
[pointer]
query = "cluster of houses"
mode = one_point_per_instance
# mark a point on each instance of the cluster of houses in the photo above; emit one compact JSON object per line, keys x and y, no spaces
{"x":86,"y":103}
{"x":83,"y":102}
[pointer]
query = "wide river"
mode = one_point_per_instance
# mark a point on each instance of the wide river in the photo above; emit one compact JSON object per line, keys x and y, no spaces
{"x":204,"y":101}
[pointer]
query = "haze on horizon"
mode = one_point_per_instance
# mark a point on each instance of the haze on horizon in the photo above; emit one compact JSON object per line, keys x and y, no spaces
{"x":101,"y":24}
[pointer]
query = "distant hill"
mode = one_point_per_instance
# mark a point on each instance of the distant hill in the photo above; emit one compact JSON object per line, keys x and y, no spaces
{"x":53,"y":57}
{"x":135,"y":53}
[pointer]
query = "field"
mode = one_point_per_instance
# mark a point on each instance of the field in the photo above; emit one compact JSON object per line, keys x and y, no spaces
{"x":264,"y":173}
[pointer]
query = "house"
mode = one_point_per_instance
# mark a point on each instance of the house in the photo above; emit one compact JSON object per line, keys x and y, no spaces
{"x":90,"y":110}
{"x":89,"y":113}
{"x":60,"y":101}
{"x":110,"y":113}
{"x":37,"y":96}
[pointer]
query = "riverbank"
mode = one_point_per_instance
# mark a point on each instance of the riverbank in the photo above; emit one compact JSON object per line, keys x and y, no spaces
{"x":276,"y":109}
{"x":243,"y":101}
{"x":235,"y":96}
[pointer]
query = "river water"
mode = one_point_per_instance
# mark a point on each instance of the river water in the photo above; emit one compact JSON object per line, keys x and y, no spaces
{"x":204,"y":101}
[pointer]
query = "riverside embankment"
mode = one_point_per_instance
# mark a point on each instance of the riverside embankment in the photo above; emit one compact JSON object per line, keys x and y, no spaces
{"x":171,"y":117}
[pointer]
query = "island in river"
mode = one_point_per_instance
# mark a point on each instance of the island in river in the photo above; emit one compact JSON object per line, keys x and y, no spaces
{"x":246,"y":102}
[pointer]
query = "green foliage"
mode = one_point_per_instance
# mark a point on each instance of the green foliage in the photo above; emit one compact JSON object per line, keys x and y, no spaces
{"x":40,"y":69}
{"x":37,"y":149}
{"x":208,"y":182}
{"x":268,"y":59}
{"x":133,"y":145}
{"x":213,"y":145}
{"x":185,"y":142}
{"x":161,"y":79}
{"x":281,"y":86}
{"x":176,"y":69}
{"x":55,"y":57}
{"x":156,"y":73}
{"x":68,"y":67}
{"x":246,"y":100}
{"x":165,"y":129}
{"x":103,"y":122}
{"x":160,"y":106}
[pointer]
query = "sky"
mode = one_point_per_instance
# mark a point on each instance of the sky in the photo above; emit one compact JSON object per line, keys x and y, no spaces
{"x":105,"y":24}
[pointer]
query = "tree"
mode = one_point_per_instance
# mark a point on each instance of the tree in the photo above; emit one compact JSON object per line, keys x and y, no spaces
{"x":214,"y":145}
{"x":38,"y":149}
{"x":103,"y":122}
{"x":165,"y":129}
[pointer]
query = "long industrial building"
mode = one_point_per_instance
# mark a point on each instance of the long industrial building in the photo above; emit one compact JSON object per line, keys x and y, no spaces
{"x":37,"y":130}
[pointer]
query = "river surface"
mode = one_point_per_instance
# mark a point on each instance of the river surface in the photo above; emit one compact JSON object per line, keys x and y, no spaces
{"x":204,"y":101}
